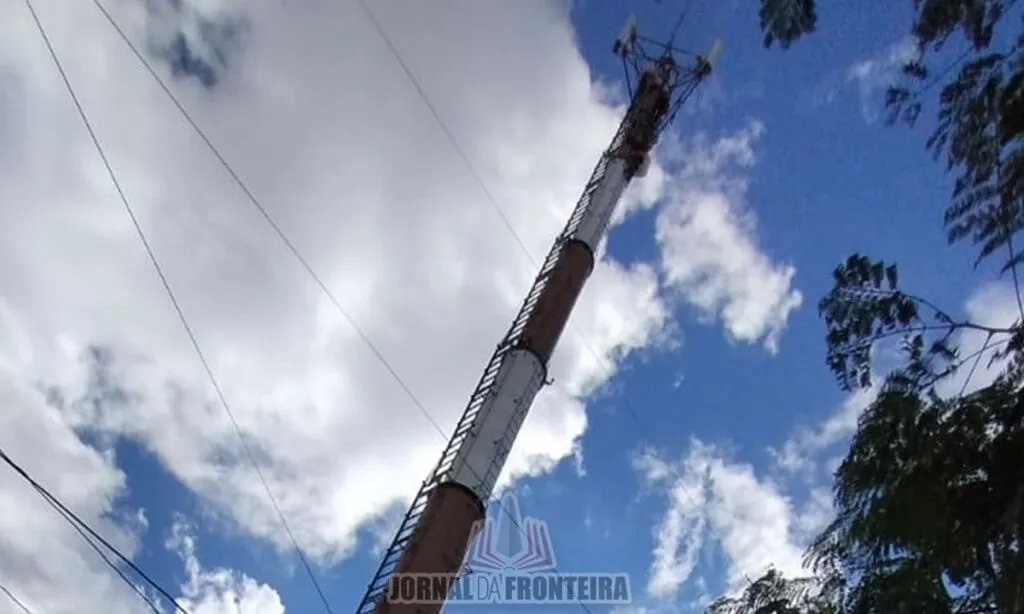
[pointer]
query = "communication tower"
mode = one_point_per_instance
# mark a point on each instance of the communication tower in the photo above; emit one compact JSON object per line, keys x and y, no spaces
{"x":436,"y":531}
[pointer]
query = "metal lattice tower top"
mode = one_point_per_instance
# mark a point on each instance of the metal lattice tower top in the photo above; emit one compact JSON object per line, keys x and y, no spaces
{"x":437,"y":529}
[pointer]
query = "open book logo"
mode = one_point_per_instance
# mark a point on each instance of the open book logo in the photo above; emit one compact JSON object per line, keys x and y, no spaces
{"x":509,"y":560}
{"x":504,"y":541}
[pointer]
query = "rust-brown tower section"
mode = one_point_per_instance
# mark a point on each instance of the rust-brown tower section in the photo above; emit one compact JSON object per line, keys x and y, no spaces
{"x":432,"y":541}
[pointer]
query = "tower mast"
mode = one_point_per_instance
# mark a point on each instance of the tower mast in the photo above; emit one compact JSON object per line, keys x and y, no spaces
{"x":436,"y":531}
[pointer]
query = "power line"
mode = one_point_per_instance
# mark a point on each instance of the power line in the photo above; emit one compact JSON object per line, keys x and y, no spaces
{"x":305,"y":263}
{"x":103,"y":555}
{"x":487,"y":193}
{"x":490,"y":198}
{"x":17,"y":602}
{"x":319,"y":281}
{"x":444,"y":127}
{"x":263,"y":210}
{"x":472,"y":169}
{"x":174,"y":301}
{"x":89,"y":535}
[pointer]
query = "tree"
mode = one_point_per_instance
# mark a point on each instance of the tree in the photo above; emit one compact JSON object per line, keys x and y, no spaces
{"x":930,"y":498}
{"x":773,"y":593}
{"x":980,"y":115}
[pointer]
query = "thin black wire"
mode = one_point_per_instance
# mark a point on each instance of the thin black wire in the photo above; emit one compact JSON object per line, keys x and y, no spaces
{"x":88,"y":534}
{"x":17,"y":602}
{"x":455,"y":144}
{"x":263,"y":211}
{"x":426,"y":100}
{"x":679,"y":22}
{"x":73,"y":521}
{"x":487,"y":193}
{"x":174,"y":301}
{"x":270,"y":220}
{"x":308,"y":268}
{"x":444,"y":127}
{"x":974,"y":367}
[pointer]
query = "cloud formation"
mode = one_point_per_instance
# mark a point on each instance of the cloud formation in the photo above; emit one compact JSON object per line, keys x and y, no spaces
{"x":714,"y":502}
{"x":218,"y":591}
{"x":868,"y":77}
{"x":313,"y":113}
{"x":709,"y":244}
{"x":811,"y":448}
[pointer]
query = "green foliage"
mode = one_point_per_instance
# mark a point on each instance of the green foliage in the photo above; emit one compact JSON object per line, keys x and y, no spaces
{"x":930,"y":498}
{"x":784,"y":21}
{"x":980,"y":127}
{"x":980,"y":116}
{"x":866,"y":306}
{"x":774,"y":594}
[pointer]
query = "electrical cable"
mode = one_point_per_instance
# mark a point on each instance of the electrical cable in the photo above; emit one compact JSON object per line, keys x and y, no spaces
{"x":89,"y":534}
{"x":974,"y":367}
{"x":487,"y":193}
{"x":295,"y":252}
{"x":174,"y":301}
{"x":288,"y":243}
{"x":305,"y":264}
{"x":17,"y":602}
{"x":444,"y":127}
{"x":263,"y":211}
{"x":103,"y":555}
{"x":490,"y":198}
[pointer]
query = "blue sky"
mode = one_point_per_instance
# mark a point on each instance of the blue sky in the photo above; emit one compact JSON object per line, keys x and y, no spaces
{"x":826,"y":178}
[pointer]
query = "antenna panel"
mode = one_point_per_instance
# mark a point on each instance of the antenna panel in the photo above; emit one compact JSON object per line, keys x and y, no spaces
{"x":627,"y":36}
{"x":716,"y":50}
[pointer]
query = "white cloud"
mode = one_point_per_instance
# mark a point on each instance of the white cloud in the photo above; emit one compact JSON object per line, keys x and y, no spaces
{"x":993,"y":305}
{"x":332,"y":138}
{"x":709,"y":244}
{"x":713,"y":501}
{"x":218,"y":591}
{"x":317,"y":118}
{"x":51,"y":568}
{"x":800,"y":453}
{"x":38,"y":550}
{"x":873,"y":75}
{"x":869,"y":77}
{"x":679,"y":534}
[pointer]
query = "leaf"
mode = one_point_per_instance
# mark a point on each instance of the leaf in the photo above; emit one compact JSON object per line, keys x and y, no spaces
{"x":891,"y":277}
{"x":785,"y":21}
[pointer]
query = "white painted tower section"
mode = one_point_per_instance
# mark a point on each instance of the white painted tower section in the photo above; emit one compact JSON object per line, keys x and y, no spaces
{"x":483,"y":454}
{"x":598,"y":214}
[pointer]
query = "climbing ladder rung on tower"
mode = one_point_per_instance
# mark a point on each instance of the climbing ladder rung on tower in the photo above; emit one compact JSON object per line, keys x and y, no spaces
{"x":463,"y":429}
{"x":410,"y":522}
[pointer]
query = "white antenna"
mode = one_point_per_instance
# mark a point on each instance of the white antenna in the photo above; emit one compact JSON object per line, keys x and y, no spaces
{"x":626,"y":37}
{"x":716,"y":50}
